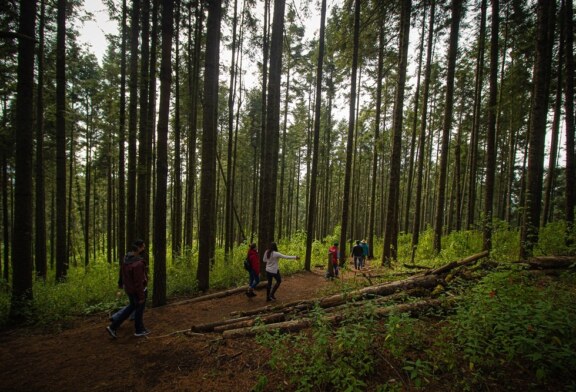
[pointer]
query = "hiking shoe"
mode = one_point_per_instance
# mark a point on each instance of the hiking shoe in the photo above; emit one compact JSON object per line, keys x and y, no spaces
{"x":112,"y":332}
{"x":142,"y":333}
{"x":250,"y":294}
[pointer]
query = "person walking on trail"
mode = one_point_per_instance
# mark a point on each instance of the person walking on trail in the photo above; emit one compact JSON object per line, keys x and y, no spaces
{"x":134,"y":281}
{"x":333,"y":260}
{"x":271,"y":258}
{"x":358,"y":255}
{"x":254,"y":271}
{"x":366,"y":250}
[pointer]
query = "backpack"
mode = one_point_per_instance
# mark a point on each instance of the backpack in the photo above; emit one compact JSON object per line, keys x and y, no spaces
{"x":247,"y":265}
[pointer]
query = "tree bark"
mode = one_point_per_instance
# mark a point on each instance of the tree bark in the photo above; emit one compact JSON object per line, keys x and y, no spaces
{"x":269,"y":165}
{"x":391,"y":231}
{"x":569,"y":118}
{"x":207,"y":227}
{"x":40,"y":207}
{"x":130,"y":221}
{"x":121,"y":224}
{"x":350,"y":142}
{"x":22,"y":260}
{"x":177,"y":199}
{"x":193,"y":83}
{"x":317,"y":118}
{"x":447,"y":124}
{"x":472,"y":160}
{"x":143,"y":175}
{"x":536,"y":137}
{"x":159,"y":293}
{"x":61,"y":243}
{"x":491,"y":150}
{"x":423,"y":122}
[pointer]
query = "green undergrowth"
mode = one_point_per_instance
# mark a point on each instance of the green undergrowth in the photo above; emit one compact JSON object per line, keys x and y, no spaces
{"x":94,"y":289}
{"x":512,"y":330}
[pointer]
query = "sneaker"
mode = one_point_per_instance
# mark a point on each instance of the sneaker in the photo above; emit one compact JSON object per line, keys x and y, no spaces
{"x":142,"y":333}
{"x":112,"y":332}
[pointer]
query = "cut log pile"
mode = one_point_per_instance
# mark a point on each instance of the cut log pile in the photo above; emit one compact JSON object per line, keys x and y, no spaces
{"x":294,"y":316}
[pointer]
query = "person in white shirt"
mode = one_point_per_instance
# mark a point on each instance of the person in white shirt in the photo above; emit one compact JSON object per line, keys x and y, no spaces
{"x":271,"y":258}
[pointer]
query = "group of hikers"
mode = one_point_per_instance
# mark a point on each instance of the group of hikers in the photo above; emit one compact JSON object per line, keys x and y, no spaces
{"x":359,"y":254}
{"x":133,"y":278}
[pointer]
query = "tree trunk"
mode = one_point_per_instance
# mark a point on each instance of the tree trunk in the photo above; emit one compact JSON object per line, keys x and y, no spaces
{"x":317,"y":118}
{"x":229,"y":226}
{"x":193,"y":83}
{"x":536,"y":137}
{"x":447,"y":125}
{"x":121,"y":224}
{"x":411,"y":157}
{"x":151,"y":114}
{"x":159,"y":293}
{"x":550,"y":178}
{"x":22,"y":260}
{"x":569,"y":118}
{"x":491,"y":131}
{"x":177,"y":203}
{"x":269,"y":166}
{"x":263,"y":242}
{"x":61,"y":246}
{"x":372,"y":217}
{"x":423,"y":121}
{"x":350,"y":142}
{"x":142,"y":177}
{"x":472,"y":160}
{"x":130,"y":222}
{"x":207,"y":227}
{"x":391,"y":231}
{"x":40,"y":207}
{"x":6,"y":217}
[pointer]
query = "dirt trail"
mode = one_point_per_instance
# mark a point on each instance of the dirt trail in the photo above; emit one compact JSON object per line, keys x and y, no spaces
{"x":85,"y":358}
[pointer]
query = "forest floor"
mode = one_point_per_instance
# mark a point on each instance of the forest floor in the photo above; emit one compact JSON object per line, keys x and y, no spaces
{"x":83,"y":357}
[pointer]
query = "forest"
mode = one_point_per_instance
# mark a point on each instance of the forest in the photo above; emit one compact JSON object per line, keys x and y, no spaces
{"x":431,"y":129}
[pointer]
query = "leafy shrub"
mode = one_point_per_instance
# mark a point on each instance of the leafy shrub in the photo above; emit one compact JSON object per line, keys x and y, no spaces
{"x":326,"y":358}
{"x":510,"y":318}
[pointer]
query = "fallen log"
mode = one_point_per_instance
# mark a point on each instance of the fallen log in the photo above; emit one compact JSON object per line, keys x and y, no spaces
{"x":459,"y":263}
{"x":209,"y":327}
{"x":551,"y":262}
{"x":297,"y":325}
{"x":425,"y":281}
{"x":412,"y":266}
{"x":219,"y":294}
{"x":270,"y":319}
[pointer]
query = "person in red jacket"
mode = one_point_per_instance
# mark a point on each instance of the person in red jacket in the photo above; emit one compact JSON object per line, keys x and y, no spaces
{"x":134,"y":280}
{"x":333,"y":258}
{"x":254,"y":270}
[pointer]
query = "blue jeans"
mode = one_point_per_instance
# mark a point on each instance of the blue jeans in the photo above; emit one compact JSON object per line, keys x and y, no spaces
{"x":138,"y":313}
{"x":254,"y":279}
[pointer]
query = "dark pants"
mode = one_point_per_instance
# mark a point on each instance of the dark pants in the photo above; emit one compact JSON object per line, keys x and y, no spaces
{"x":269,"y":289}
{"x":138,"y":313}
{"x":254,"y":279}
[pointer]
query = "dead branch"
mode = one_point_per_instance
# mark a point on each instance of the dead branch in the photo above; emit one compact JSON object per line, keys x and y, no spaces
{"x":219,"y":294}
{"x":297,"y":325}
{"x":459,"y":263}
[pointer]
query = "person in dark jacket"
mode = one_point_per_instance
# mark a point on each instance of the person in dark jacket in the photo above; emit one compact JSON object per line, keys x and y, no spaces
{"x":358,"y":255}
{"x":254,"y":270}
{"x":134,"y":281}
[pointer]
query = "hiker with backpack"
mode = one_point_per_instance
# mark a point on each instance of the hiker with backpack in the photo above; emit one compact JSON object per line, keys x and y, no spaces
{"x":253,"y":266}
{"x":134,"y":281}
